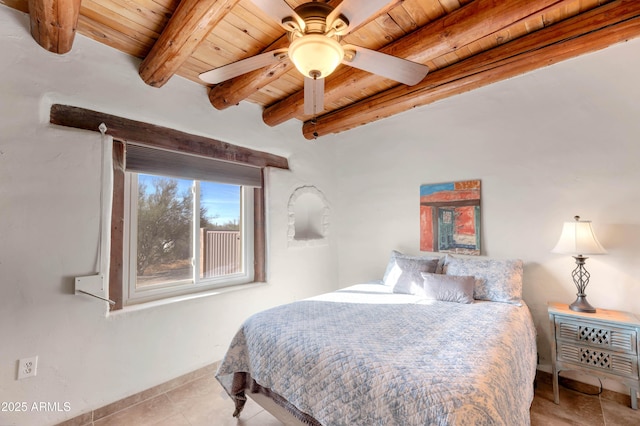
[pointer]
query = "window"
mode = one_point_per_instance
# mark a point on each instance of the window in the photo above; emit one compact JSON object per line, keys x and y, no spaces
{"x":189,"y":224}
{"x":185,"y":235}
{"x":221,"y":162}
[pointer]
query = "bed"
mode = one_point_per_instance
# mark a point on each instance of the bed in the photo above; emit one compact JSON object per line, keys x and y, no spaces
{"x":394,"y":353}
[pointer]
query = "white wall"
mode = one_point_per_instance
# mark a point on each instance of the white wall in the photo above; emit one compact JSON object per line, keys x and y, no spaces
{"x":49,"y":224}
{"x":548,"y":145}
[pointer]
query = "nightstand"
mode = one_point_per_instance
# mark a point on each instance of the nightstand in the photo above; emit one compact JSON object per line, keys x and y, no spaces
{"x":604,"y":344}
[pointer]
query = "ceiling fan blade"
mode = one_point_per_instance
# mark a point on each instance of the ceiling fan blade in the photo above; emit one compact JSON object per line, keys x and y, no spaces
{"x":398,"y":69}
{"x":313,"y":95}
{"x":356,"y":11}
{"x":243,"y":66}
{"x":278,"y":10}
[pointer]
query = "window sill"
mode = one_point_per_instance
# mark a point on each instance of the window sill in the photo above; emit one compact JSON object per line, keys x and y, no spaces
{"x":192,"y":296}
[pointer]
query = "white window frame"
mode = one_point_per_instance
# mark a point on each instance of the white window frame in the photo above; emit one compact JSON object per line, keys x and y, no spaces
{"x":132,"y":295}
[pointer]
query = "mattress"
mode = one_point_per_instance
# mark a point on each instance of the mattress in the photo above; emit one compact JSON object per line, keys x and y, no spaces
{"x":366,"y":356}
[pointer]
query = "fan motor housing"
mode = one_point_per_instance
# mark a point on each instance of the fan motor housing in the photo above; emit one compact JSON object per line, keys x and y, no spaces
{"x":314,"y":14}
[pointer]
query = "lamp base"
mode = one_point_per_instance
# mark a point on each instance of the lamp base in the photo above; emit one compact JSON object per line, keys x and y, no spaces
{"x":581,"y":305}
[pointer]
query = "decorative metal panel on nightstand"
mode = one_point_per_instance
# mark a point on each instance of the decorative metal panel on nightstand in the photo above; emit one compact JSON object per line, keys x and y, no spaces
{"x":605,"y":344}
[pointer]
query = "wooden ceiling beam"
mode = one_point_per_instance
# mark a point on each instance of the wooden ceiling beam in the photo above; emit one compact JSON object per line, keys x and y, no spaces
{"x":231,"y":92}
{"x":594,"y":30}
{"x":53,"y":23}
{"x":457,"y":29}
{"x":189,"y":25}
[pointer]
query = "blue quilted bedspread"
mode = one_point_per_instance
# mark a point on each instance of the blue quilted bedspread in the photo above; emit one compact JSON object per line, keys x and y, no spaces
{"x":361,"y":356}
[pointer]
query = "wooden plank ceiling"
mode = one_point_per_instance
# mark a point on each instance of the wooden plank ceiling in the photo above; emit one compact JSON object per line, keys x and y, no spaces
{"x":465,"y":43}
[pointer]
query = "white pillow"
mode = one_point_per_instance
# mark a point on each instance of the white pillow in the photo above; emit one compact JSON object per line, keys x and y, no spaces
{"x":496,"y":280}
{"x":391,"y":280}
{"x":448,"y":288}
{"x":405,"y":274}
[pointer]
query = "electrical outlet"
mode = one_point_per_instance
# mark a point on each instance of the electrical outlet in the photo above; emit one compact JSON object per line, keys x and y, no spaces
{"x":27,"y":367}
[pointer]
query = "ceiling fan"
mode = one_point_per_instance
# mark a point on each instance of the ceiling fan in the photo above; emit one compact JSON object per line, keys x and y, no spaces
{"x":315,"y":30}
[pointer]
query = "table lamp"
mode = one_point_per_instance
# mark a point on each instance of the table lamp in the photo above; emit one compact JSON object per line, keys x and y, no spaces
{"x":577,"y":238}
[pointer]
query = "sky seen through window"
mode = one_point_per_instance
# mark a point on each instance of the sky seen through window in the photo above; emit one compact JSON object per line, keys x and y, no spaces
{"x":222,"y":201}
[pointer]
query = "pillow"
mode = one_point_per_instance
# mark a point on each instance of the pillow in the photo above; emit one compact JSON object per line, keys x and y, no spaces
{"x":448,"y":288}
{"x":496,"y":280}
{"x":391,"y":280}
{"x":405,"y":274}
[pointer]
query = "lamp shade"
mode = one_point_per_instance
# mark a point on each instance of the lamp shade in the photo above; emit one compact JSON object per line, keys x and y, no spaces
{"x":316,"y":55}
{"x":577,"y":237}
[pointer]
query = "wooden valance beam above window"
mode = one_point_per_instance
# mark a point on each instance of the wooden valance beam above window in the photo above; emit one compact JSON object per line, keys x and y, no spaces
{"x":162,"y":137}
{"x":54,"y":23}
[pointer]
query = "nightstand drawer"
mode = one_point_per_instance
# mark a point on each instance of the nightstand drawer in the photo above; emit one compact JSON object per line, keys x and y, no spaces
{"x":599,"y":335}
{"x":609,"y":361}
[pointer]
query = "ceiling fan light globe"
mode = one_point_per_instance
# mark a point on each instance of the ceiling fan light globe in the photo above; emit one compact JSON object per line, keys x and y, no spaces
{"x":316,"y":55}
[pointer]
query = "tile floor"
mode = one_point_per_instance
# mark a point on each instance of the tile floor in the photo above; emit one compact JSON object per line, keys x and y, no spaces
{"x":607,"y":409}
{"x":202,"y":401}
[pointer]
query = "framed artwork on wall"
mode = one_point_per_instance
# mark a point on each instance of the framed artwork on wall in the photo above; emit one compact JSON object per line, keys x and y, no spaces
{"x":450,"y":217}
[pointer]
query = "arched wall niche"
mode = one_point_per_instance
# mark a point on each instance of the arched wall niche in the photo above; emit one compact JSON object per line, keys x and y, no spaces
{"x":308,"y":217}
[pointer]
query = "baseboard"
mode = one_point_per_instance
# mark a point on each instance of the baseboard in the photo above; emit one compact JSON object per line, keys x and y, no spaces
{"x":124,"y":403}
